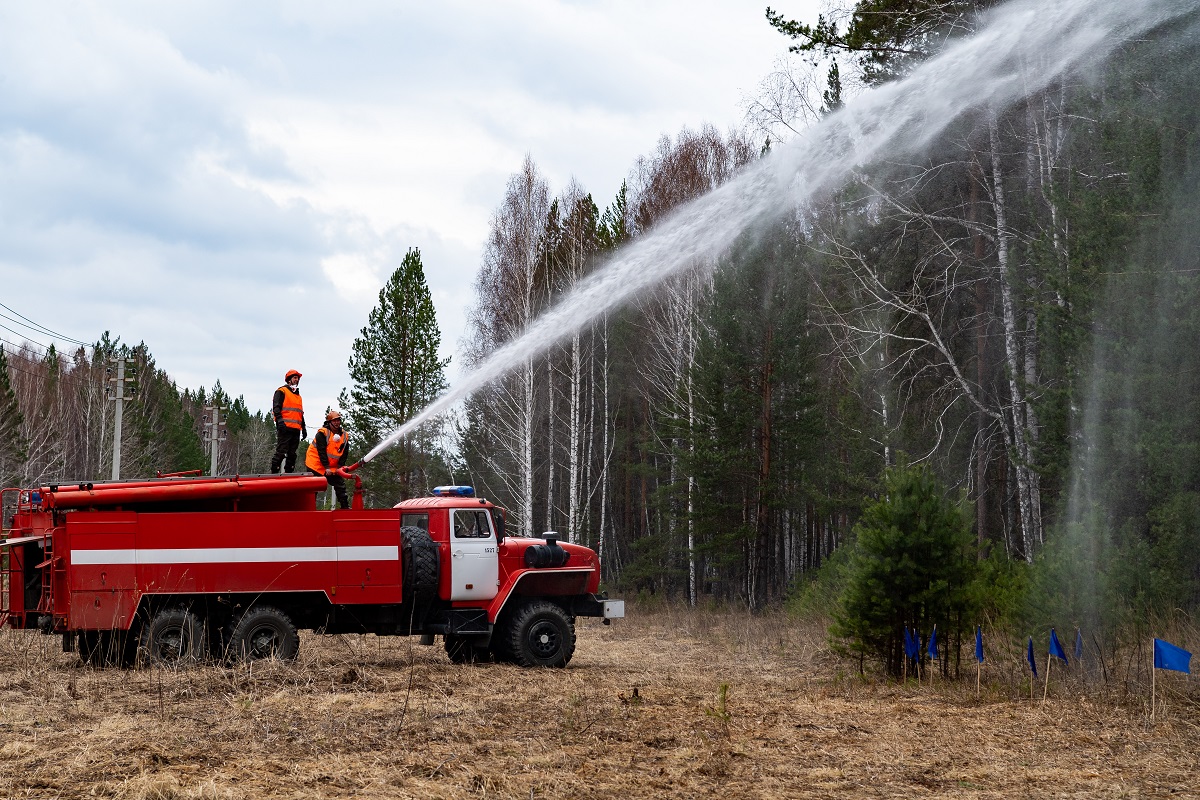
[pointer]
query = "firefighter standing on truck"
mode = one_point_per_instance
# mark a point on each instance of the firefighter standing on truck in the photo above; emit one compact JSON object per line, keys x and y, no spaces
{"x":288,"y":410}
{"x":327,"y":453}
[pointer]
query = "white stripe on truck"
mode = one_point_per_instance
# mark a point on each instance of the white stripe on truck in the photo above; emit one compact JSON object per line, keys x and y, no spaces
{"x":237,"y":555}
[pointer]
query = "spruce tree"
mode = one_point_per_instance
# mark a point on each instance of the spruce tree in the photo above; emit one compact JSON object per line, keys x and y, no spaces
{"x":396,"y":372}
{"x":613,"y":229}
{"x":913,"y":565}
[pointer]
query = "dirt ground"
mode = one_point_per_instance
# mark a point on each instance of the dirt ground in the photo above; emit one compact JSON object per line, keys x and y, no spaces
{"x":670,"y":704}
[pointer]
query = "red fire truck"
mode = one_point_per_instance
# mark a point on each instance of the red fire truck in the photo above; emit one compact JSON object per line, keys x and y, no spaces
{"x":180,"y":569}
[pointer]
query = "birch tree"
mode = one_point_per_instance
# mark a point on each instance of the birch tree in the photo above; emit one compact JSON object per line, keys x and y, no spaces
{"x":573,"y":256}
{"x":13,"y":449}
{"x":680,"y":170}
{"x":510,"y":290}
{"x":887,"y":38}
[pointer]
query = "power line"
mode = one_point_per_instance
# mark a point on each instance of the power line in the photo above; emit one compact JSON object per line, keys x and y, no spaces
{"x":29,"y":344}
{"x":37,"y":326}
{"x":22,"y":324}
{"x":23,"y":336}
{"x":17,"y":348}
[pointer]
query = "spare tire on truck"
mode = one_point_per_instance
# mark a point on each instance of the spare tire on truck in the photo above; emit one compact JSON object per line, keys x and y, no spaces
{"x":420,"y":565}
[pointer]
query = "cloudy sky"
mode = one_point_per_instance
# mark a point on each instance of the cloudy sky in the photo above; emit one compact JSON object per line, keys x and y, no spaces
{"x":232,"y":182}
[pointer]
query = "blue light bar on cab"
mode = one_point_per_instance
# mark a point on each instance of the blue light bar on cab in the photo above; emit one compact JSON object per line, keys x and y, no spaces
{"x":454,"y":491}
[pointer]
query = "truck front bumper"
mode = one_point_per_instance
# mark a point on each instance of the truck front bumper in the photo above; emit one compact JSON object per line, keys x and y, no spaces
{"x":598,"y":606}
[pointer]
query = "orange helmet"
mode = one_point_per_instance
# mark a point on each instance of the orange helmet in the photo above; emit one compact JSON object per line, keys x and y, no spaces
{"x":332,"y":415}
{"x":288,"y":376}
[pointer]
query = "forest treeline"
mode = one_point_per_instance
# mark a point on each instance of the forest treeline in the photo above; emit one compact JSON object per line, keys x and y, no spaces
{"x":57,"y":417}
{"x":1014,"y":310}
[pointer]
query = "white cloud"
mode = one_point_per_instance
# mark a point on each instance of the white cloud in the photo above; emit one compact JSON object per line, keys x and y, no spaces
{"x":232,"y":183}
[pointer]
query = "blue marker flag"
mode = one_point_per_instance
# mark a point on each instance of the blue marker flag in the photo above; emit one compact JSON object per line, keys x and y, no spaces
{"x":979,"y":643}
{"x":933,"y":651}
{"x":1168,"y":656}
{"x":1029,"y":657}
{"x":1078,"y":645}
{"x":1056,"y":648}
{"x":911,"y":648}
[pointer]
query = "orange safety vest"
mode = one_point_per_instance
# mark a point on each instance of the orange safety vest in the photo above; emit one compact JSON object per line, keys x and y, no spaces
{"x":335,"y":448}
{"x":293,"y":408}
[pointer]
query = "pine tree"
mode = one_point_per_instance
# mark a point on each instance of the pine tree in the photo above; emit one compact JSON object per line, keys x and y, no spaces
{"x":756,"y":432}
{"x":396,"y":372}
{"x":913,"y":565}
{"x":886,"y":36}
{"x":161,"y":433}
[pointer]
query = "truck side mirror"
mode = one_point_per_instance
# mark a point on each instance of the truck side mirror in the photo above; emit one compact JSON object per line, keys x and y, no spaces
{"x":498,"y":522}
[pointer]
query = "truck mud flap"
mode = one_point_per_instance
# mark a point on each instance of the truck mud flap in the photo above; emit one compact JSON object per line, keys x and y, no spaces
{"x":471,"y":622}
{"x":468,"y":621}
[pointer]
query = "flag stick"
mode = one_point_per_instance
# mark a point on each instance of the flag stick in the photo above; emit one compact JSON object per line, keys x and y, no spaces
{"x":978,"y":672}
{"x":1046,"y":689}
{"x":1153,"y":686}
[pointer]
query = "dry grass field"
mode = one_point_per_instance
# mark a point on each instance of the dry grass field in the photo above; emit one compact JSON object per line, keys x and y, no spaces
{"x":640,"y":712}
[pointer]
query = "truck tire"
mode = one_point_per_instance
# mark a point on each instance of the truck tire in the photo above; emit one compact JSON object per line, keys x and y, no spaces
{"x":263,"y":632}
{"x":540,"y":634}
{"x":122,"y":648}
{"x":107,"y":648}
{"x":420,"y":565}
{"x":172,"y":637}
{"x":91,"y":646}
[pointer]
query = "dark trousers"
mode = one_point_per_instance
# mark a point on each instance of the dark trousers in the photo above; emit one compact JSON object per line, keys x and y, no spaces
{"x":286,"y":444}
{"x":339,"y":488}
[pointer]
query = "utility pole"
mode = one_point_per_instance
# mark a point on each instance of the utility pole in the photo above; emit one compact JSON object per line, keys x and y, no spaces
{"x":214,"y":433}
{"x":118,"y":396}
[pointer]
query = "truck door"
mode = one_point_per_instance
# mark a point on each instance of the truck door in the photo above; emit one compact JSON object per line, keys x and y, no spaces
{"x":474,"y":560}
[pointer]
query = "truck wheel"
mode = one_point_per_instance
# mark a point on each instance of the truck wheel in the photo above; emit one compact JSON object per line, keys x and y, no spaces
{"x":498,"y":648}
{"x":463,"y":650}
{"x":108,"y":648}
{"x":263,"y":632}
{"x":173,"y":636}
{"x":122,"y":648}
{"x":91,"y":646}
{"x":540,"y":634}
{"x":420,"y":564}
